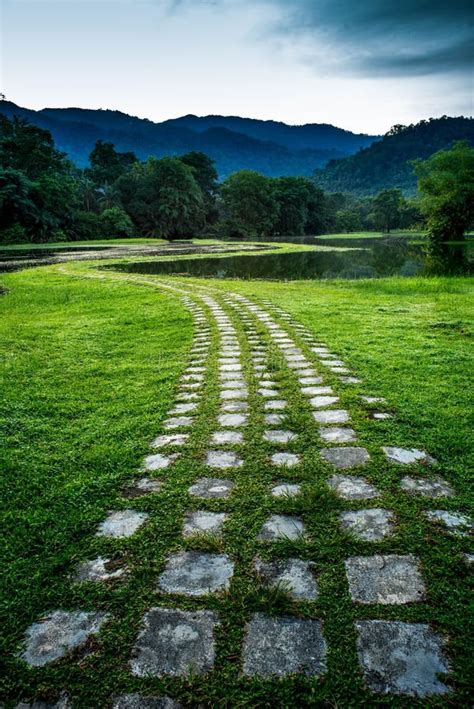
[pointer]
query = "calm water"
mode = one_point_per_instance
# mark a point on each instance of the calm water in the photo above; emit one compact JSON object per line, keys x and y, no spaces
{"x":366,"y":258}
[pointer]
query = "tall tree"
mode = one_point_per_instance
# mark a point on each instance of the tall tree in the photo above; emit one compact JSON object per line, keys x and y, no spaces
{"x":387,"y":209}
{"x":205,"y":174}
{"x":107,"y":164}
{"x":250,"y":203}
{"x":293,"y":196}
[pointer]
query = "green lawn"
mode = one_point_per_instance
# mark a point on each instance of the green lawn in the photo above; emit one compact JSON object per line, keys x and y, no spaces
{"x":89,"y":371}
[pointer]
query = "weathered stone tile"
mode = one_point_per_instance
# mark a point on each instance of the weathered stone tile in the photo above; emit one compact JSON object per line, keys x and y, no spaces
{"x":234,"y":406}
{"x":283,"y":646}
{"x":232,"y":420}
{"x":332,"y":416}
{"x":170,"y":439}
{"x":286,"y":460}
{"x":436,"y":487}
{"x":229,"y":394}
{"x":316,"y":391}
{"x":143,"y":486}
{"x":293,"y":576}
{"x":175,"y":642}
{"x":281,"y":527}
{"x":98,"y":570}
{"x":335,"y":434}
{"x":381,"y":415}
{"x":454,"y":522}
{"x":286,"y":490}
{"x":407,"y":456}
{"x":274,"y":419}
{"x":222,"y":438}
{"x":320,"y":402}
{"x":209,"y":488}
{"x":193,"y":377}
{"x":332,"y":362}
{"x":268,"y":393}
{"x":310,"y":381}
{"x":138,"y":701}
{"x":371,"y":525}
{"x":203,"y":522}
{"x":345,"y":457}
{"x":122,"y":523}
{"x":158,"y":461}
{"x":279,"y":436}
{"x":234,"y":384}
{"x":275,"y":405}
{"x":307,"y":372}
{"x":195,"y":369}
{"x":223,"y":459}
{"x":352,"y":488}
{"x":386,"y":579}
{"x":191,"y":385}
{"x":183,"y":408}
{"x":230,"y":367}
{"x":178,"y":422}
{"x":401,"y":658}
{"x":339,"y":370}
{"x":57,"y":634}
{"x":231,"y":376}
{"x":187,"y":396}
{"x":194,"y":573}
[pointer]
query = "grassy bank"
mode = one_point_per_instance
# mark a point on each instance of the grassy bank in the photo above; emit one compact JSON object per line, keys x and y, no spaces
{"x":90,"y":367}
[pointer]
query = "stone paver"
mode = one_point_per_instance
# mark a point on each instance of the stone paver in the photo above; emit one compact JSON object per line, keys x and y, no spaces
{"x":194,"y":573}
{"x":203,"y":522}
{"x":230,"y":407}
{"x":223,"y":459}
{"x":345,"y":457}
{"x":350,"y":380}
{"x":335,"y":434}
{"x":310,"y":381}
{"x":222,"y":438}
{"x":58,"y":633}
{"x":454,"y":522}
{"x":385,"y":579}
{"x":138,"y":701}
{"x":185,"y":408}
{"x":373,"y":399}
{"x":122,"y":523}
{"x":275,"y":405}
{"x":158,"y":461}
{"x":371,"y":525}
{"x":98,"y":570}
{"x":381,"y":415}
{"x":232,"y":420}
{"x":267,"y":393}
{"x":143,"y":486}
{"x":175,"y":642}
{"x":170,"y":439}
{"x":316,"y":390}
{"x":286,"y":490}
{"x":209,"y":488}
{"x":285,"y":460}
{"x":407,"y":456}
{"x":227,"y":394}
{"x":294,"y":577}
{"x":283,"y":646}
{"x":320,"y":402}
{"x":274,"y":419}
{"x":332,"y":416}
{"x":436,"y":487}
{"x":276,"y":436}
{"x":351,"y":488}
{"x":282,"y":527}
{"x":178,"y":422}
{"x":401,"y":658}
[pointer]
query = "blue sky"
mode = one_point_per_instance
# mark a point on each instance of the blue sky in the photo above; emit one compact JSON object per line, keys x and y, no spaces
{"x":362,"y":65}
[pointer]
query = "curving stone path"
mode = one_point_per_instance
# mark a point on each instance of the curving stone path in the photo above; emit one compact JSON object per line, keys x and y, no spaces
{"x":277,"y":396}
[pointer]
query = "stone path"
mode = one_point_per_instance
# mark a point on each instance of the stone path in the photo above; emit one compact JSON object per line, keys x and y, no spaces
{"x":246,"y":354}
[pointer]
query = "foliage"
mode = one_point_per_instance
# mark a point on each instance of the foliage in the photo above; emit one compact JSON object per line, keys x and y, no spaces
{"x":387,"y":208}
{"x":107,"y":165}
{"x":205,"y":174}
{"x":116,"y":224}
{"x":250,"y":201}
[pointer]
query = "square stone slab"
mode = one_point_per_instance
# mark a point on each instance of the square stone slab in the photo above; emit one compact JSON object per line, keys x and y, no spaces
{"x":309,"y":381}
{"x":371,"y":525}
{"x":223,"y":459}
{"x":352,"y":488}
{"x":203,"y":522}
{"x":231,"y":377}
{"x":386,"y":579}
{"x":285,"y":460}
{"x":234,"y":406}
{"x":138,"y":701}
{"x":175,"y":642}
{"x":401,"y":658}
{"x":283,"y":646}
{"x":454,"y":522}
{"x":98,"y":570}
{"x":57,"y":634}
{"x":320,"y":402}
{"x":345,"y":457}
{"x":232,"y":420}
{"x":234,"y":384}
{"x":170,"y":439}
{"x":195,"y":573}
{"x":286,"y":490}
{"x":157,"y":461}
{"x":222,"y":438}
{"x":279,"y":436}
{"x":292,"y":576}
{"x":333,"y":416}
{"x":122,"y":523}
{"x":436,"y":487}
{"x":407,"y":456}
{"x":282,"y":527}
{"x":228,"y":394}
{"x":334,"y":434}
{"x":273,"y":419}
{"x":178,"y":422}
{"x":316,"y":391}
{"x":275,"y":405}
{"x":209,"y":488}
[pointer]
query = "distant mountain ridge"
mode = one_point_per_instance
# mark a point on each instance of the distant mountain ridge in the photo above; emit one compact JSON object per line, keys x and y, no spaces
{"x":270,"y":147}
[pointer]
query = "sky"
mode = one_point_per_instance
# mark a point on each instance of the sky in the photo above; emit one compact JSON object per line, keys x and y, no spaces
{"x":363,"y":65}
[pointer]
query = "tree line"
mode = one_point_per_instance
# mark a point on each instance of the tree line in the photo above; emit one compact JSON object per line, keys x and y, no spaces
{"x":45,"y":197}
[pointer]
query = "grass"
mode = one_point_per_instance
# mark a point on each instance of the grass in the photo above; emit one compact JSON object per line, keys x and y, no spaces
{"x":90,"y":368}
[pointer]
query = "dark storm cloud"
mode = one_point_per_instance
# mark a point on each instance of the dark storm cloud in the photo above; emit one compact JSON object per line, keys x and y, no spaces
{"x":381,"y":37}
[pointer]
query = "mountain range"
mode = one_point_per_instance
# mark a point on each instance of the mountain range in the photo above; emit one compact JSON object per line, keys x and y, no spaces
{"x":270,"y":147}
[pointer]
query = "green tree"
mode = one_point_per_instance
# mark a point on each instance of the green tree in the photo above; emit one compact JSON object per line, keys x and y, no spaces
{"x":446,"y":185}
{"x":387,"y":209}
{"x":205,"y":174}
{"x":107,"y":165}
{"x":293,"y":195}
{"x":29,"y":149}
{"x":162,"y":198}
{"x":250,"y":204}
{"x":116,"y":224}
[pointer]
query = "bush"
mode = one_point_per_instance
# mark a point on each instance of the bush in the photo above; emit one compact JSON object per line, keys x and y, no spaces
{"x":116,"y":224}
{"x":86,"y":226}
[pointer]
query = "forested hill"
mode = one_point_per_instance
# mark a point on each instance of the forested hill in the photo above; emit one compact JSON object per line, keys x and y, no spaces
{"x":234,"y":143}
{"x":386,"y":163}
